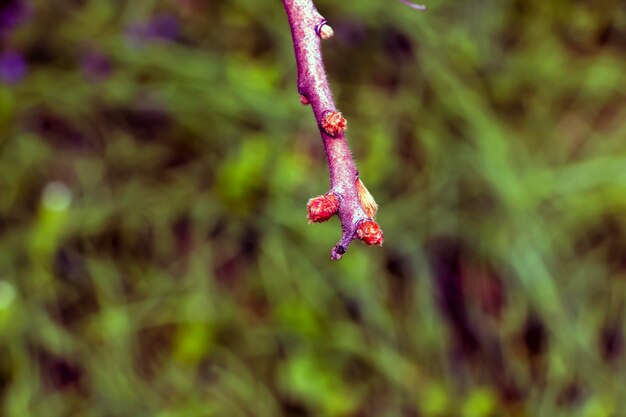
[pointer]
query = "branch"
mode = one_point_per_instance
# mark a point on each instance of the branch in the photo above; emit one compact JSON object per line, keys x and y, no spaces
{"x":419,"y":7}
{"x":348,"y":197}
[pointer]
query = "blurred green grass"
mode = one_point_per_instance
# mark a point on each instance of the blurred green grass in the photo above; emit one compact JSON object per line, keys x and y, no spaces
{"x":154,"y":253}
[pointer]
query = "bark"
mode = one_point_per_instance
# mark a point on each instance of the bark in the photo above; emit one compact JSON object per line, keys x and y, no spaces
{"x":308,"y":28}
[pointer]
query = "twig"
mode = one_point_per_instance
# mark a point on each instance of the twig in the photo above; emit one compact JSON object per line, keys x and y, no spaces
{"x":348,"y":197}
{"x":419,"y":7}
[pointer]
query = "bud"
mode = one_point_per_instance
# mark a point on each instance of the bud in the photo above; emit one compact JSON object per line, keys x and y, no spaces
{"x":334,"y":123}
{"x":369,"y":232}
{"x":326,"y":32}
{"x":304,"y":100}
{"x":322,"y":208}
{"x":323,"y":30}
{"x":365,"y":198}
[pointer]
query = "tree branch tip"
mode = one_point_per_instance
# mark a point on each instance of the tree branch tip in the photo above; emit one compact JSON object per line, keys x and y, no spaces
{"x":338,"y":252}
{"x":349,"y":200}
{"x":334,"y":123}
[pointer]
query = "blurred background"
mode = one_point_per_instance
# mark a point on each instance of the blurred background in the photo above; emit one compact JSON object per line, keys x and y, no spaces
{"x":155,"y":165}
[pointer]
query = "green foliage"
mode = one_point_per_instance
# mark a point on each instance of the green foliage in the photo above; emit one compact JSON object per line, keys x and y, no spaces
{"x":155,"y":257}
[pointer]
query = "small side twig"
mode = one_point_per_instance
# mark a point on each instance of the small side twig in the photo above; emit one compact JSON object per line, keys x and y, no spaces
{"x":412,"y":5}
{"x":348,"y":197}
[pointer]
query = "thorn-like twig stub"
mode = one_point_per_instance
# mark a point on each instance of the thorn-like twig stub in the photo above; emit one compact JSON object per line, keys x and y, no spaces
{"x":324,"y":30}
{"x":322,"y":208}
{"x":334,"y":123}
{"x":338,"y":252}
{"x":369,"y":232}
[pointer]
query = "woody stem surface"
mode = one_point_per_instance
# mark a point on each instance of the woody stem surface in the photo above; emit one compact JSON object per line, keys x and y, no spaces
{"x":306,"y":22}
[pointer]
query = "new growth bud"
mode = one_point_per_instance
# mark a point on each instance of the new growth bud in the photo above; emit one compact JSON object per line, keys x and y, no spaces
{"x":324,"y":31}
{"x":334,"y":123}
{"x":322,"y":208}
{"x":369,"y":232}
{"x":304,"y":100}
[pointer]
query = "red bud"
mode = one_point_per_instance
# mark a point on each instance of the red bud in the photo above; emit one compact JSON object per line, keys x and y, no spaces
{"x":369,"y":232}
{"x":334,"y":123}
{"x":322,"y":208}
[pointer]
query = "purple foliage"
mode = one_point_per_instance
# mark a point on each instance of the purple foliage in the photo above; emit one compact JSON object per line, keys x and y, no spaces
{"x":12,"y":67}
{"x":96,"y":66}
{"x":163,"y":27}
{"x":12,"y":14}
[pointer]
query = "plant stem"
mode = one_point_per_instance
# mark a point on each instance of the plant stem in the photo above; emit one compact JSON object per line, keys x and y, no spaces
{"x":307,"y":29}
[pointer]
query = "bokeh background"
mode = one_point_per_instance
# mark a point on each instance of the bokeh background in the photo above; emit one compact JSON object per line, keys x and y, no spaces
{"x":155,"y":258}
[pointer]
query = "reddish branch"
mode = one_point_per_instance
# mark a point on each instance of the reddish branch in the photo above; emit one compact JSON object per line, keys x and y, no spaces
{"x":348,"y":197}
